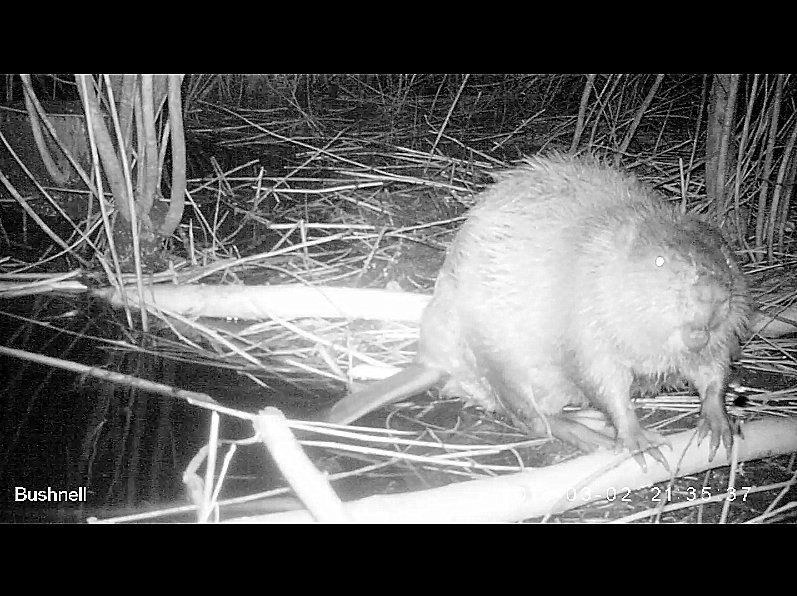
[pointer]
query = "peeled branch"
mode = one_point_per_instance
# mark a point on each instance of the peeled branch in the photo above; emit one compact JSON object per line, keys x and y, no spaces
{"x":293,"y":301}
{"x":599,"y":476}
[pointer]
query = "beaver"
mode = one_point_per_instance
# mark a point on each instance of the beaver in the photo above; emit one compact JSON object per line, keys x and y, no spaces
{"x":569,"y":283}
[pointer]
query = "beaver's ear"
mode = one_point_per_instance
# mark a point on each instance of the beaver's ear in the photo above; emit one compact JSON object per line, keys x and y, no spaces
{"x":734,"y":347}
{"x":626,"y":235}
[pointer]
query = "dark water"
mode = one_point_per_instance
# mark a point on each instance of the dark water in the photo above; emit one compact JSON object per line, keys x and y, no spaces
{"x":127,"y":447}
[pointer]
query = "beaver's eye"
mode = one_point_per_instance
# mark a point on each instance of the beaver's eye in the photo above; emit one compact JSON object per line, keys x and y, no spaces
{"x":660,"y":260}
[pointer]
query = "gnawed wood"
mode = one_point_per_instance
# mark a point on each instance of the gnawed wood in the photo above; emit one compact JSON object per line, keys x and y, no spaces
{"x":293,"y":301}
{"x":558,"y":488}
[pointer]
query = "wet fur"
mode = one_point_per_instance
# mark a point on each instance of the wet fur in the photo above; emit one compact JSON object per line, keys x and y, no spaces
{"x":569,"y":282}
